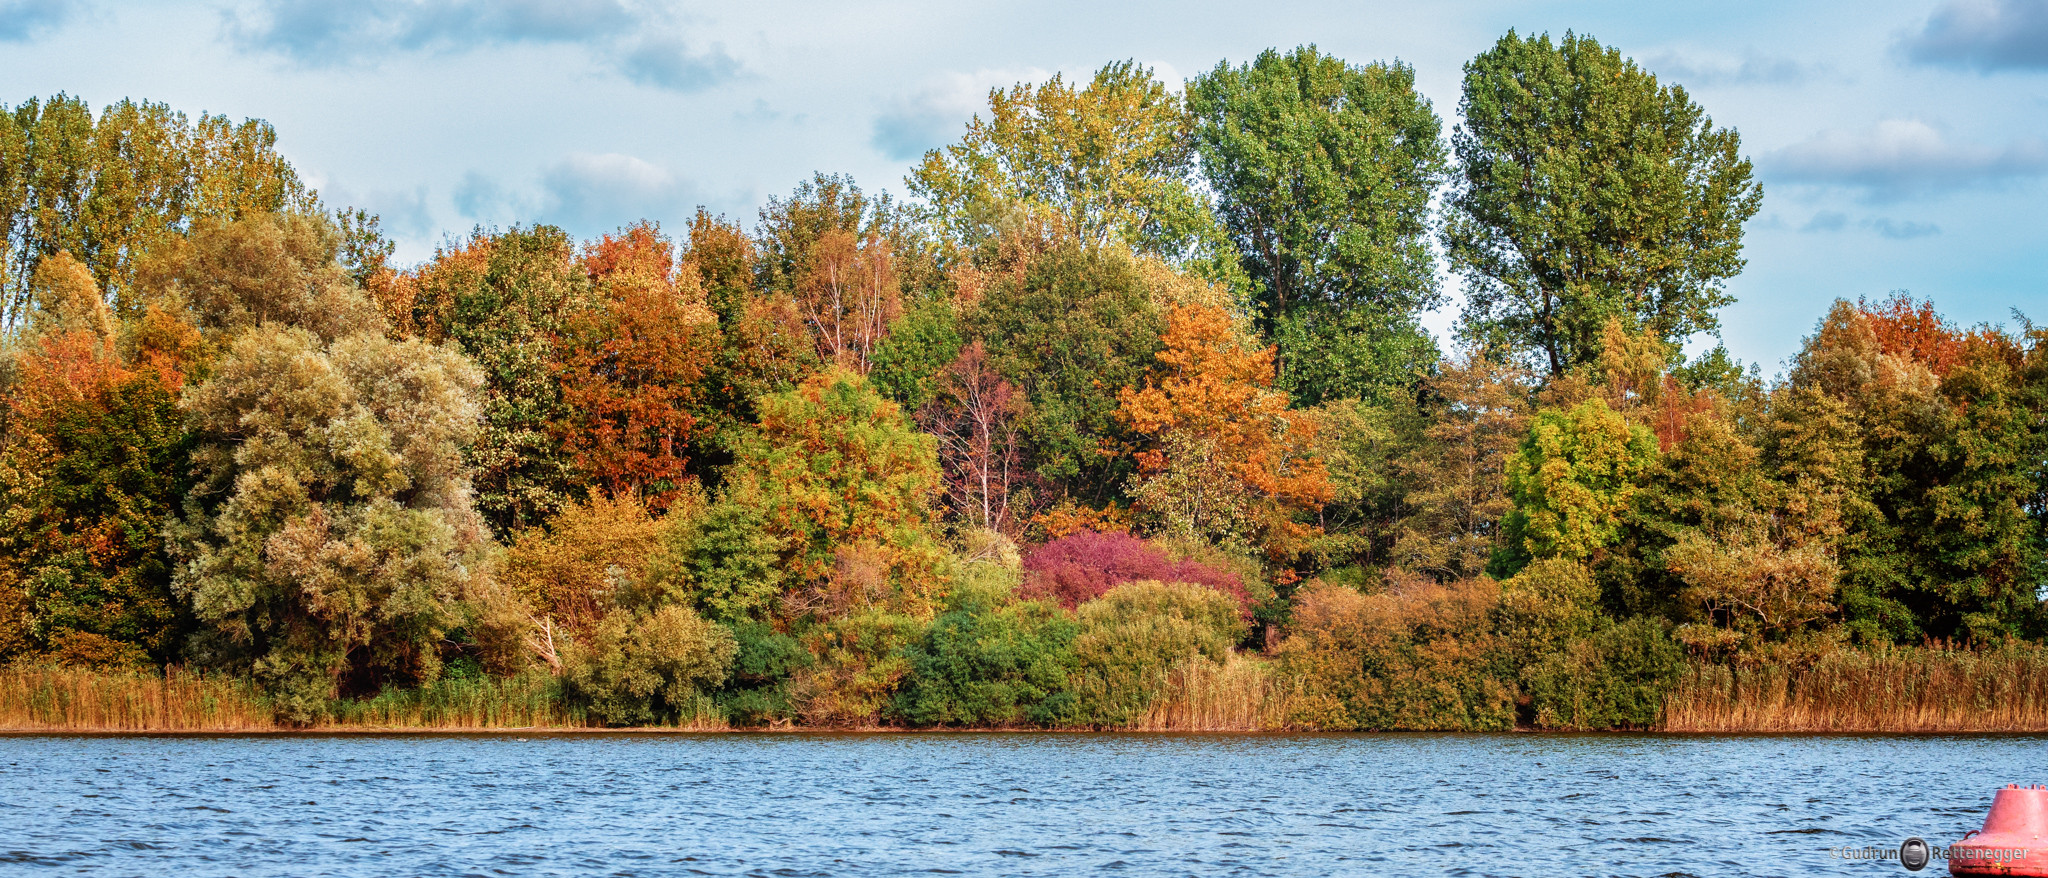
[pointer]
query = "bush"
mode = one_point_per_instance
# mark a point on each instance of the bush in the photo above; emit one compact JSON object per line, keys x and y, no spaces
{"x":1131,"y":637}
{"x":1616,"y":678}
{"x":1083,"y":566}
{"x":1422,"y":657}
{"x":648,"y":668}
{"x":859,"y":662}
{"x":990,"y":665}
{"x":758,"y":690}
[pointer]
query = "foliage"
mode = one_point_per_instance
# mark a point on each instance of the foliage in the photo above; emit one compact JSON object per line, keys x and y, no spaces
{"x":1422,"y":657}
{"x":1572,"y":478}
{"x":1083,"y":566}
{"x":647,"y":668}
{"x":95,"y":457}
{"x":576,"y":570}
{"x":1071,"y":330}
{"x":975,"y":416}
{"x":990,"y":665}
{"x":1110,"y":159}
{"x":845,"y":486}
{"x":630,"y":360}
{"x":1231,"y":463}
{"x":1132,"y":637}
{"x":501,"y":299}
{"x":757,"y":692}
{"x":115,"y":190}
{"x":331,"y":531}
{"x":1323,"y":173}
{"x":859,"y":663}
{"x":1588,"y":191}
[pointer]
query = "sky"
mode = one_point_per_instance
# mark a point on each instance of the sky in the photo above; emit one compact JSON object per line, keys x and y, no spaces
{"x":1901,"y":144}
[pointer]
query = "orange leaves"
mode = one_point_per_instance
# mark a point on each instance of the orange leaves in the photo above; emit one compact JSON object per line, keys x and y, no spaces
{"x":848,"y":296}
{"x":630,"y":361}
{"x":1228,"y":460}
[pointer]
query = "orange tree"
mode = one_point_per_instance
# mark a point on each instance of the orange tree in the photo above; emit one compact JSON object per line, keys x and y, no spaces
{"x":1228,"y":462}
{"x":631,"y":360}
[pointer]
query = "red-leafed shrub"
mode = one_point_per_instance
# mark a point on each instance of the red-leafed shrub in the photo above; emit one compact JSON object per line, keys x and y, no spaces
{"x":1082,"y":566}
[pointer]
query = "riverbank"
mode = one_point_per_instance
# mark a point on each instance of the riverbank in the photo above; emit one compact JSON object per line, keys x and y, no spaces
{"x":1899,"y":690}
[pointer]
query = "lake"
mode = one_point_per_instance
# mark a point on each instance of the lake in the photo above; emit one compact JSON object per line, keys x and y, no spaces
{"x":990,"y":804}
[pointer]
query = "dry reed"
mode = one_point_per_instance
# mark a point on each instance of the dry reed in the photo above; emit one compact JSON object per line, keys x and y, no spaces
{"x":35,"y":698}
{"x":522,"y":702}
{"x":1243,"y":694}
{"x":2004,"y":689}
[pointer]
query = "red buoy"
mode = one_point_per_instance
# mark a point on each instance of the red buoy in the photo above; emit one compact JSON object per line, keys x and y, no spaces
{"x":2014,"y":840}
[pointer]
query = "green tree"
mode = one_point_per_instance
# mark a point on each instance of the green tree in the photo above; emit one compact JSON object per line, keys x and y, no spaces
{"x":503,"y":298}
{"x":1587,"y":191}
{"x":1111,"y":159}
{"x":1571,"y":481}
{"x":114,"y":190}
{"x":1323,"y":173}
{"x":1073,"y":329}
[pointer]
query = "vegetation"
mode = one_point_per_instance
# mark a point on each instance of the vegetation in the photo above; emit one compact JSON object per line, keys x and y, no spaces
{"x":1127,"y":422}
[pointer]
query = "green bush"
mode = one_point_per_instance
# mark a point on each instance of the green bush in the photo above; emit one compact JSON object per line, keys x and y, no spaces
{"x":757,"y":692}
{"x":1617,"y":678}
{"x":985,"y":663}
{"x":648,"y":668}
{"x":1132,"y":636}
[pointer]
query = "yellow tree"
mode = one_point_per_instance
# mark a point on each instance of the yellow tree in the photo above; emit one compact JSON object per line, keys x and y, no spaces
{"x":1111,"y":159}
{"x":1229,"y":461}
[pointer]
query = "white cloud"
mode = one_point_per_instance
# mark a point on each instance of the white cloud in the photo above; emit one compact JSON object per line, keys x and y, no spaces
{"x":1899,"y":157}
{"x":1697,"y":68}
{"x":640,"y":42}
{"x":24,"y":20}
{"x":935,"y":114}
{"x":1983,"y":34}
{"x":589,"y":193}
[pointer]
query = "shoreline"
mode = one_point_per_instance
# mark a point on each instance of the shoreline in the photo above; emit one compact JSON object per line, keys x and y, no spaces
{"x":642,"y":731}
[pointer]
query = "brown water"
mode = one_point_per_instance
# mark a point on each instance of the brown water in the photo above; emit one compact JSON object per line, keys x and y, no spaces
{"x":991,"y":804}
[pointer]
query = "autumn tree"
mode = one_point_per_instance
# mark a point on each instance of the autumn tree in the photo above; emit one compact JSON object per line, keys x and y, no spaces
{"x":1571,"y":480}
{"x":1587,"y":190}
{"x":1455,"y":475}
{"x":765,"y":346}
{"x":1323,"y":173}
{"x":116,"y":189}
{"x":849,"y":297}
{"x":502,"y":299}
{"x":93,"y":458}
{"x":974,"y":415}
{"x":843,"y":487}
{"x":1228,"y":461}
{"x":1111,"y":158}
{"x":631,"y":359}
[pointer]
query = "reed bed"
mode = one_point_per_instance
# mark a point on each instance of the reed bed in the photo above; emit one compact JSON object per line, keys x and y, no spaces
{"x":1243,"y":694}
{"x":522,"y":702}
{"x":36,"y":698}
{"x":2003,"y":689}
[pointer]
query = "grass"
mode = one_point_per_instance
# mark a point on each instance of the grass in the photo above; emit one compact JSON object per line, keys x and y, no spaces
{"x":1243,"y":694}
{"x":2003,"y":689}
{"x":522,"y":702}
{"x":35,"y":698}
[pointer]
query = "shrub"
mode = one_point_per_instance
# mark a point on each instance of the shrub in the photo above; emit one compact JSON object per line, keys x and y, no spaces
{"x":859,"y":662}
{"x":1422,"y":657}
{"x":651,"y":667}
{"x":1134,"y":635}
{"x":1616,"y":678}
{"x":758,"y":690}
{"x":990,"y":665}
{"x":1083,"y":566}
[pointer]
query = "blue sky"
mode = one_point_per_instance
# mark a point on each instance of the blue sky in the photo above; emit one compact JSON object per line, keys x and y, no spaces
{"x":1902,"y":144}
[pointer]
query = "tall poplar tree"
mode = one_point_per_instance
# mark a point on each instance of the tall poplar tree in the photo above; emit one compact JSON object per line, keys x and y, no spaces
{"x":1588,"y":191}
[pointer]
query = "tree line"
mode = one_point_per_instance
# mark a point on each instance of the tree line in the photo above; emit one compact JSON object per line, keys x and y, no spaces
{"x":1133,"y":385}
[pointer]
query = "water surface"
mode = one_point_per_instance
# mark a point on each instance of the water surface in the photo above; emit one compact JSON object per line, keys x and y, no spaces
{"x":990,"y":804}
